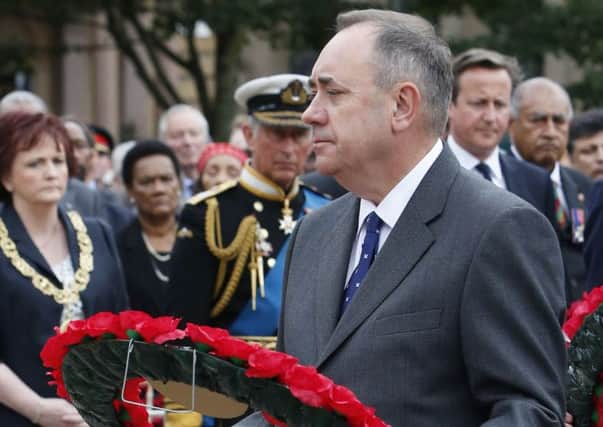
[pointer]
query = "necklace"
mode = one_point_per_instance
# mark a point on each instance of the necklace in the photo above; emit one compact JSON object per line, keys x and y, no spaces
{"x":164,"y":278}
{"x":69,"y":294}
{"x":153,"y":252}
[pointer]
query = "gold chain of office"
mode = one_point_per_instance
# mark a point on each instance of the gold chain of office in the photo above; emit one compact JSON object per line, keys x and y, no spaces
{"x":69,"y":294}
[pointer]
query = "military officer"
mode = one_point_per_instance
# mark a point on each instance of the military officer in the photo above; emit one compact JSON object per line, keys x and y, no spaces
{"x":232,"y":240}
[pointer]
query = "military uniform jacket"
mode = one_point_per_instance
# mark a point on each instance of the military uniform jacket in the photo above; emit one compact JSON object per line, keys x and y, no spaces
{"x":193,"y":294}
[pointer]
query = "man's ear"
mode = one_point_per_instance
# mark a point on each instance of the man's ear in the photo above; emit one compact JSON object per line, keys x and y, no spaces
{"x":248,"y":134}
{"x":407,"y":102}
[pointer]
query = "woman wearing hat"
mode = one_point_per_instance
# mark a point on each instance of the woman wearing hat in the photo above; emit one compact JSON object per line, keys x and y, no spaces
{"x":218,"y":163}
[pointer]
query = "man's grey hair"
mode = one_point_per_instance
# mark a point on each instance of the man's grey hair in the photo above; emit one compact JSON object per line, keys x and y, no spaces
{"x":177,"y":108}
{"x":518,"y":96}
{"x":408,"y":48}
{"x":22,"y":100}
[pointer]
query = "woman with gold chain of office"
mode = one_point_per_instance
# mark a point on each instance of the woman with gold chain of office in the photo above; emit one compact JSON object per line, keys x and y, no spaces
{"x":55,"y":266}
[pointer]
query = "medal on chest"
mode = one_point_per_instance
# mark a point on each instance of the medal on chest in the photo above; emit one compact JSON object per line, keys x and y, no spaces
{"x":286,"y":224}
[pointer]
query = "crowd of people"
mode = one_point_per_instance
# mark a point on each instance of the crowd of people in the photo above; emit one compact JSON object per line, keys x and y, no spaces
{"x":455,"y":212}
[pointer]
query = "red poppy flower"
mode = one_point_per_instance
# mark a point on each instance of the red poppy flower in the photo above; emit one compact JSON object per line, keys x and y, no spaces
{"x":374,"y":421}
{"x":205,"y":334}
{"x":344,"y":401}
{"x":138,"y":415}
{"x":131,"y":318}
{"x":580,"y":309}
{"x":57,"y":376}
{"x":269,"y":364}
{"x":54,"y":351}
{"x":160,"y":330}
{"x":308,"y":386}
{"x":234,"y":347}
{"x":104,"y":323}
{"x":273,"y":421}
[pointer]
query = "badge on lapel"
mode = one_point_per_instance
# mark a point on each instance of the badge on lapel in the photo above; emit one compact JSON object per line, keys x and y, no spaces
{"x":577,"y":219}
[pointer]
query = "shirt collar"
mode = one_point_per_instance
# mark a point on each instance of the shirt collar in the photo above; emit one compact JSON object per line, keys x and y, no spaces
{"x":256,"y":183}
{"x":394,"y":203}
{"x":556,"y":175}
{"x":515,"y":152}
{"x":469,"y":161}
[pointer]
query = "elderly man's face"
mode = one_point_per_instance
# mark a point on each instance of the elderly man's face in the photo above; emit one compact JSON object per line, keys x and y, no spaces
{"x":349,"y":114}
{"x":186,"y":135}
{"x":479,"y":116}
{"x":84,"y":154}
{"x":540,"y":132}
{"x":587,"y":155}
{"x":278,"y":152}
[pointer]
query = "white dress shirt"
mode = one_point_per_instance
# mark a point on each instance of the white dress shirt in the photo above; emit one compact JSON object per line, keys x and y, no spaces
{"x":392,"y":206}
{"x":469,"y":161}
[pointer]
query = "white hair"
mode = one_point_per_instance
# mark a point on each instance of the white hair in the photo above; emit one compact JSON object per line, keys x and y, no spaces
{"x":517,"y":98}
{"x":163,"y":119}
{"x":22,"y":100}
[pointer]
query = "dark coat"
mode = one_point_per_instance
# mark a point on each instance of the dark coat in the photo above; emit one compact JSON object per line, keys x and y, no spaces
{"x":576,"y":188}
{"x":529,"y":182}
{"x":145,"y":290}
{"x":593,"y":244}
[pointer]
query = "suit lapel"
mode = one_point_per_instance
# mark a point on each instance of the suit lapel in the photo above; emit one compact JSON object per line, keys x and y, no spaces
{"x":511,"y":175}
{"x":570,"y":190}
{"x":407,"y":243}
{"x":333,"y":269}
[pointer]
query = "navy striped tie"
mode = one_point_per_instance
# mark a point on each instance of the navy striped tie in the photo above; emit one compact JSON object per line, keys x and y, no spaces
{"x":369,"y":250}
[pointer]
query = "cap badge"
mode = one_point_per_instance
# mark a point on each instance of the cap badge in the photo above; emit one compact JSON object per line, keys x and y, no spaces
{"x":294,"y":94}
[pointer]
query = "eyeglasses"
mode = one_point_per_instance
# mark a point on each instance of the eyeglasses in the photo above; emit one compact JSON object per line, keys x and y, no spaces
{"x":542,"y":118}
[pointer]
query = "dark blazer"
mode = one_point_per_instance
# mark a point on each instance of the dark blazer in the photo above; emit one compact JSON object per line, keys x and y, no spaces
{"x":101,"y":204}
{"x":456,"y":323}
{"x":576,"y":188}
{"x":145,"y":291}
{"x":529,"y":182}
{"x":593,"y":238}
{"x":27,"y":316}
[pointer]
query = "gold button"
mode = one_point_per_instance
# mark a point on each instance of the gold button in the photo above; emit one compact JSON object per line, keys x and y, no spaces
{"x":271,"y":262}
{"x":258,"y":206}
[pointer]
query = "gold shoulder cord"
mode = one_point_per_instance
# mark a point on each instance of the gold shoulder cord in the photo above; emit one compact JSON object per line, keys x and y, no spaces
{"x":242,"y":248}
{"x":82,"y":275}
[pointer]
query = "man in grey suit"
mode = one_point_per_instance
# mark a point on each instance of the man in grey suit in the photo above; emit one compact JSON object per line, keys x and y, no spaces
{"x":456,"y":321}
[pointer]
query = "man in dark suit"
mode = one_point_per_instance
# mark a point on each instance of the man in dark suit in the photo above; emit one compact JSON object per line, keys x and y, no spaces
{"x":593,"y":244}
{"x":540,"y":114}
{"x":423,"y":290}
{"x":478,"y":119}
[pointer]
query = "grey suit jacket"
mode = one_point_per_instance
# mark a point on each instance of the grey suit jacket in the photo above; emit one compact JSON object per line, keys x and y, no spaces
{"x":457,"y":320}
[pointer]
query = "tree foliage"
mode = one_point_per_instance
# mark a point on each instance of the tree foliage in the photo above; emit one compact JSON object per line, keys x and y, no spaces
{"x":529,"y":30}
{"x":143,"y":30}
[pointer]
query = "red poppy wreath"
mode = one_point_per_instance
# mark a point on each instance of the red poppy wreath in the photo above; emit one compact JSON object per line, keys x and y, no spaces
{"x":100,"y":360}
{"x":583,"y":328}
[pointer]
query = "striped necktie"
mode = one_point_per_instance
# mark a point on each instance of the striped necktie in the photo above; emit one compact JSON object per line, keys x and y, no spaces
{"x":560,"y":214}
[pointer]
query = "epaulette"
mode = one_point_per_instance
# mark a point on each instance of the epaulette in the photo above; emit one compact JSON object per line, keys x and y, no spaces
{"x":204,"y":195}
{"x":315,"y":190}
